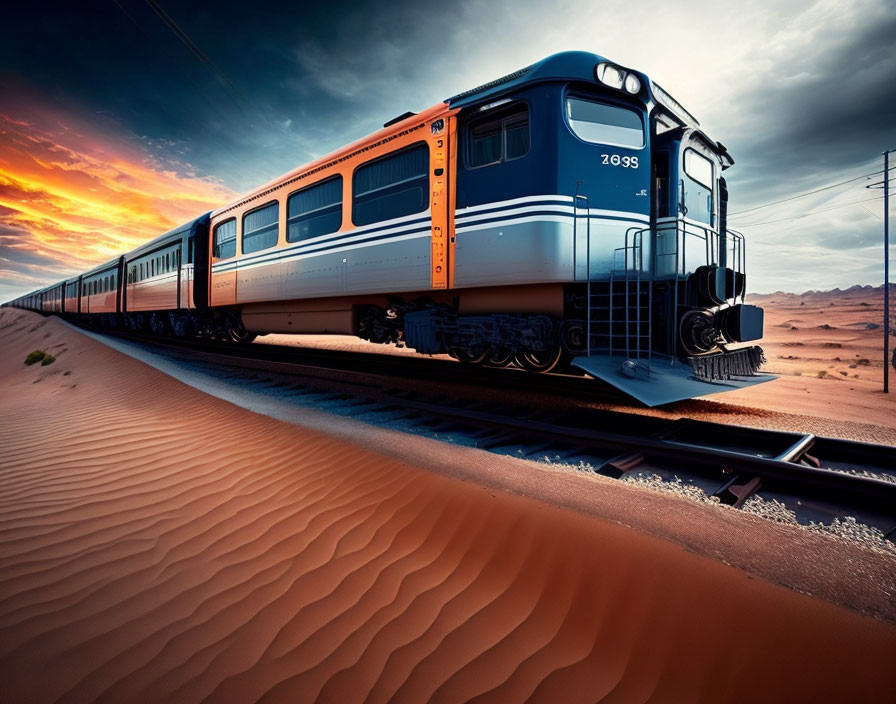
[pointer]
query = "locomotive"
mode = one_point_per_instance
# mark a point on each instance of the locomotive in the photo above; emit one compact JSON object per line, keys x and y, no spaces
{"x":570,"y":213}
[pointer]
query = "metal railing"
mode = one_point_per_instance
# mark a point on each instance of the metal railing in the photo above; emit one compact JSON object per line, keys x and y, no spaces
{"x":646,"y":258}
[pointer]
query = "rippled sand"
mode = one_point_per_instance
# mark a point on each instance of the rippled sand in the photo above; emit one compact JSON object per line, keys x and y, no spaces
{"x":157,"y":544}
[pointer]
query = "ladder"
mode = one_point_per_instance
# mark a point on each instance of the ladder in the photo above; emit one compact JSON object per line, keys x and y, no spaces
{"x":619,"y":309}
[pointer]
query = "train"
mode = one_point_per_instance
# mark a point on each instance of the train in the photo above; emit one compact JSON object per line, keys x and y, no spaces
{"x":571,"y":214}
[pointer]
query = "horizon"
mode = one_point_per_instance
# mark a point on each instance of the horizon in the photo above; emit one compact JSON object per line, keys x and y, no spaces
{"x":146,"y":120}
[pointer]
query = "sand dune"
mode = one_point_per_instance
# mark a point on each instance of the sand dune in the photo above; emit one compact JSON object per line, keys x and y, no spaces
{"x":157,"y":544}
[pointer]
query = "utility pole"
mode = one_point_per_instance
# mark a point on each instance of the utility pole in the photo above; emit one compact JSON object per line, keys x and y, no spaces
{"x":887,"y":270}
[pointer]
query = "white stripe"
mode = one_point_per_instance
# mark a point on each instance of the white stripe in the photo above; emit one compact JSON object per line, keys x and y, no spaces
{"x":513,"y":201}
{"x":625,"y":214}
{"x":519,"y":221}
{"x":562,"y":209}
{"x":394,"y":224}
{"x":335,"y":250}
{"x":345,"y":236}
{"x":545,"y":218}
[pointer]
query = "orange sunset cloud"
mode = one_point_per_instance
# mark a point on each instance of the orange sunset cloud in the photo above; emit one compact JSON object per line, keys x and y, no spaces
{"x":72,"y":197}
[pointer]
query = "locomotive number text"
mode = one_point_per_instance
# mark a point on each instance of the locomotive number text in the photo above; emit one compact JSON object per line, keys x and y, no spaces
{"x":627,"y":162}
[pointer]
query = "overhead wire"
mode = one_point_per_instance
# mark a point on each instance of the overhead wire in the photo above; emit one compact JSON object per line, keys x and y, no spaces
{"x":810,"y":213}
{"x":809,"y":193}
{"x":191,"y":45}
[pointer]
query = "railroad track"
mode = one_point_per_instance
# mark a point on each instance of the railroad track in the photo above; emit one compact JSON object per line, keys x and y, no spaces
{"x":816,"y":478}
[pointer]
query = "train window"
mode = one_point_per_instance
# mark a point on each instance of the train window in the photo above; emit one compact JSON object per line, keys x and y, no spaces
{"x":225,"y":239}
{"x":260,"y":228}
{"x":314,"y":211}
{"x":112,"y":282}
{"x":698,"y":167}
{"x":391,"y":187}
{"x":499,"y":137}
{"x":697,"y":187}
{"x":605,"y":124}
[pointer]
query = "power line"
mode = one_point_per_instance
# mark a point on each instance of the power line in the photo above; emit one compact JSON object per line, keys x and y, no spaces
{"x":807,"y":193}
{"x":812,"y":212}
{"x":195,"y":50}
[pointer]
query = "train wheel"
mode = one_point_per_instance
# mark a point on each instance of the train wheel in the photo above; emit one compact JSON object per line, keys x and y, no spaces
{"x":157,"y":324}
{"x":474,"y":355}
{"x":237,"y":331}
{"x":500,"y":356}
{"x":541,"y":361}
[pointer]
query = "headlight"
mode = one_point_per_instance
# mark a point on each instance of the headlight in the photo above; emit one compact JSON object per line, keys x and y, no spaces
{"x":609,"y":75}
{"x":632,"y":84}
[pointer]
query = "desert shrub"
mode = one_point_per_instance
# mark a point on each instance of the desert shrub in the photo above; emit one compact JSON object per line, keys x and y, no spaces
{"x":35,"y":357}
{"x":49,"y":359}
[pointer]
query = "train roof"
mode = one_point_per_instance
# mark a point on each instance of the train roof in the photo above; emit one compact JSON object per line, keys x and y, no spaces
{"x":102,"y":267}
{"x":567,"y":65}
{"x":407,"y":122}
{"x":174,"y":233}
{"x":572,"y":66}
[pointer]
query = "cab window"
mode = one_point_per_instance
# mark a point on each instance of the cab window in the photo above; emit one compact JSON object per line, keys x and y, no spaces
{"x":498,"y":137}
{"x":697,"y":185}
{"x":601,"y":123}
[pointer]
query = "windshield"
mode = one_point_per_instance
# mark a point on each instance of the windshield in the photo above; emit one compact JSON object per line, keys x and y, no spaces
{"x":605,"y":124}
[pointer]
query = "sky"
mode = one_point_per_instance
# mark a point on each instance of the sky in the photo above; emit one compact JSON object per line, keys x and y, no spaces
{"x":122,"y":118}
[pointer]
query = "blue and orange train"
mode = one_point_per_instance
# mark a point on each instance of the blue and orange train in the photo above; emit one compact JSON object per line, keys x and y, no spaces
{"x":572,"y":212}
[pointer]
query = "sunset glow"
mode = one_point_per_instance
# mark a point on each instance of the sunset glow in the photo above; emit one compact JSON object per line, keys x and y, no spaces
{"x":73,"y":195}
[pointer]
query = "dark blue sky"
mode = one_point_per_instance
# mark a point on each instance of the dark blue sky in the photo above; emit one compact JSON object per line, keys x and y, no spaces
{"x":800,"y":92}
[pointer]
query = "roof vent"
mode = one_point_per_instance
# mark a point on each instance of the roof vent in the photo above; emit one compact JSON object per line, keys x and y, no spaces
{"x":485,"y":86}
{"x":403,"y":116}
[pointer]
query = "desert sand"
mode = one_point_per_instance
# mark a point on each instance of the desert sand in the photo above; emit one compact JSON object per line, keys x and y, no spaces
{"x":157,"y":544}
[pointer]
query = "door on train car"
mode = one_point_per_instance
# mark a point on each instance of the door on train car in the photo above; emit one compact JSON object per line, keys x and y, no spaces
{"x":686,"y":202}
{"x":443,"y":162}
{"x":666,"y":144}
{"x":222,"y":282}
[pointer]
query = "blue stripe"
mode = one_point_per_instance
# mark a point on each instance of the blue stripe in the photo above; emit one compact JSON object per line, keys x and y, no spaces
{"x":496,"y":209}
{"x":534,"y":213}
